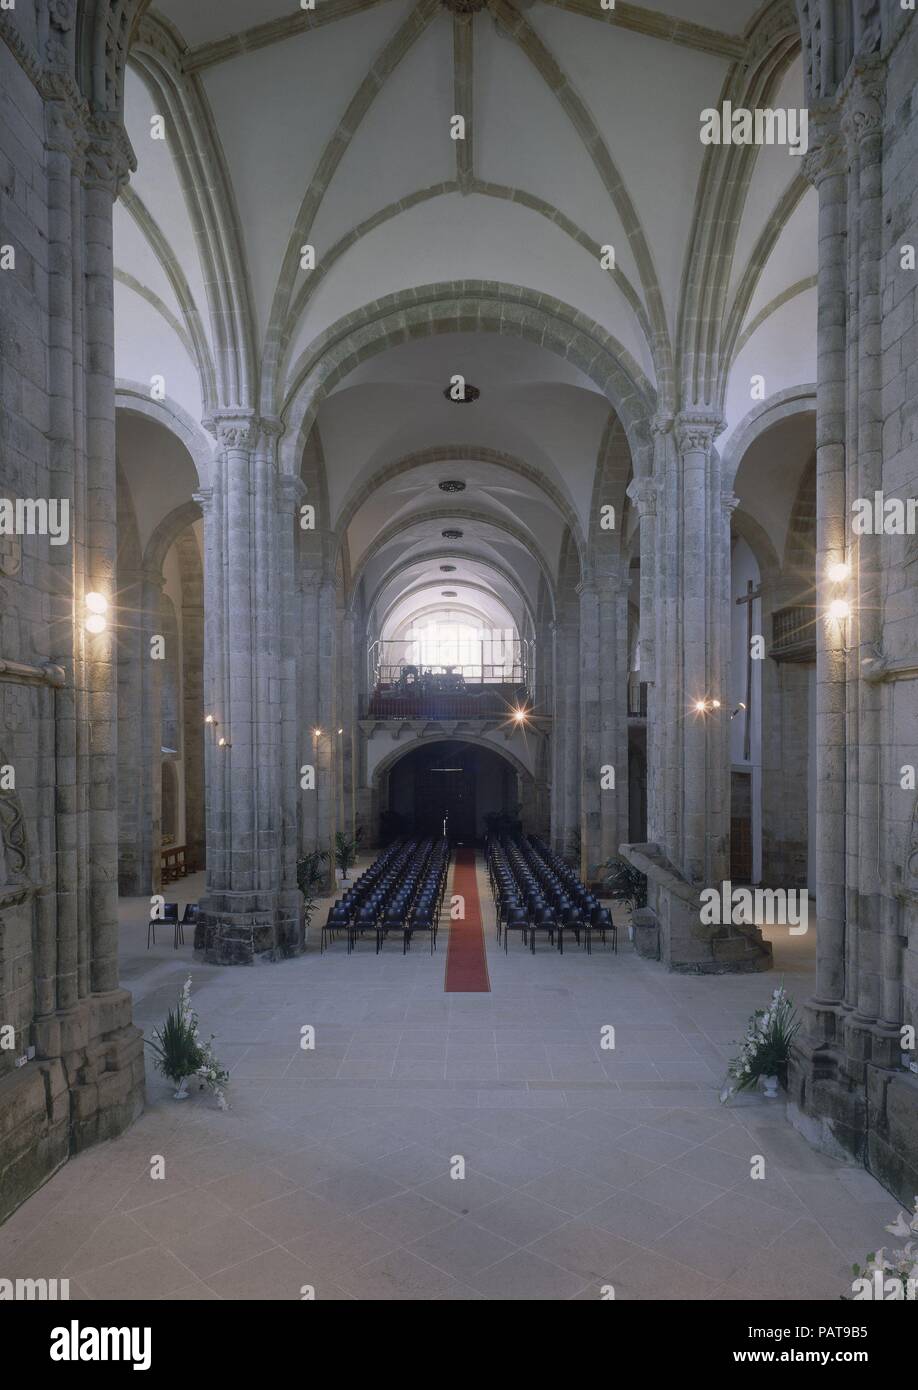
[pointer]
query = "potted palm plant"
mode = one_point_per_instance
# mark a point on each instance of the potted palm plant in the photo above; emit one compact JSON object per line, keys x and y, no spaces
{"x":309,"y":879}
{"x":344,"y":852}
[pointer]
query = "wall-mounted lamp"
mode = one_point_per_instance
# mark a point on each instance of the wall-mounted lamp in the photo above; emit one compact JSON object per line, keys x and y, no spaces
{"x":317,"y":733}
{"x":340,"y":731}
{"x":97,"y":607}
{"x":706,"y":706}
{"x":209,"y":719}
{"x":520,"y":716}
{"x":223,"y":743}
{"x":839,"y":607}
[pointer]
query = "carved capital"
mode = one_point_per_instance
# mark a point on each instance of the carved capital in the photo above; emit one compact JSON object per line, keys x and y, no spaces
{"x":729,"y":501}
{"x":863,"y":103}
{"x":65,"y":128}
{"x":826,"y":155}
{"x":643,"y":493}
{"x":237,"y":430}
{"x":697,"y":430}
{"x":109,"y":159}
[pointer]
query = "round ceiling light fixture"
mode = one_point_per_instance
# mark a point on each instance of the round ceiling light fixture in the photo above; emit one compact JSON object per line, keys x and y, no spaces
{"x":451,"y":535}
{"x":452,"y":485}
{"x":469,"y":393}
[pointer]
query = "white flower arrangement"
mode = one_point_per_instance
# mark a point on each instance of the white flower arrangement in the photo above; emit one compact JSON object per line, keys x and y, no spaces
{"x":182,"y":1052}
{"x":766,"y":1047}
{"x":884,"y":1269}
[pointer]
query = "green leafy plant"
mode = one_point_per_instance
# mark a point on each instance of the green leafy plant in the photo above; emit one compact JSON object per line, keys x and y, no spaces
{"x":624,"y":883}
{"x":345,"y":850}
{"x":310,"y":880}
{"x":766,"y":1048}
{"x":181,"y":1052}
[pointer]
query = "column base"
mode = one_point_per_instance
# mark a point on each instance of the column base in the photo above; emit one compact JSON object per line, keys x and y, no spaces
{"x":86,"y":1084}
{"x":683,"y":942}
{"x":245,"y":928}
{"x":850,"y":1100}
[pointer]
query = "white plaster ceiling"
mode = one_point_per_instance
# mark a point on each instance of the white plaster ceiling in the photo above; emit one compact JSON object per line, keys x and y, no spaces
{"x":769,"y":475}
{"x":157,"y":468}
{"x":782,"y":350}
{"x":426,"y":605}
{"x":534,"y":405}
{"x":412,"y":585}
{"x":147,"y":347}
{"x":774,"y":169}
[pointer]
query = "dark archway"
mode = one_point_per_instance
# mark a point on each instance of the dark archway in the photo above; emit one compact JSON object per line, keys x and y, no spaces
{"x":450,"y":784}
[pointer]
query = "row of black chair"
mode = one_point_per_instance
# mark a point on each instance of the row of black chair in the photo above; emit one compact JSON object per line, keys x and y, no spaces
{"x":401,"y":894}
{"x":536,"y":890}
{"x":170,"y":918}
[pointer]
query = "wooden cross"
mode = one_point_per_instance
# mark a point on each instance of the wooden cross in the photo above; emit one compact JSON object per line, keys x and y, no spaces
{"x":749,"y":598}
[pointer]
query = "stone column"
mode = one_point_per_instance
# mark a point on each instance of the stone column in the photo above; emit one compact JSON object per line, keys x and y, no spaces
{"x":705,"y":819}
{"x":105,"y":170}
{"x":149,"y":789}
{"x":345,"y":720}
{"x":242,"y":914}
{"x":825,"y":167}
{"x":876,"y":993}
{"x":603,"y":718}
{"x":664,"y":696}
{"x":565,"y":779}
{"x":193,"y":717}
{"x":290,"y":493}
{"x":325,"y":744}
{"x":643,"y":493}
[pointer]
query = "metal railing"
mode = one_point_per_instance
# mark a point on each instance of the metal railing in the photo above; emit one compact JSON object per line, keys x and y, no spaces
{"x":793,"y":633}
{"x":491,"y":660}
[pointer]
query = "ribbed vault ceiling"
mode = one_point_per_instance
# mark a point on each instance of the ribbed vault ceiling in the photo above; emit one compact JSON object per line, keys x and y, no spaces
{"x":330,"y":129}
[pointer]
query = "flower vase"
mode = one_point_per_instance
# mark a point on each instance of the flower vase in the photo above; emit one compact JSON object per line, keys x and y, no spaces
{"x":182,"y":1092}
{"x":770,"y":1087}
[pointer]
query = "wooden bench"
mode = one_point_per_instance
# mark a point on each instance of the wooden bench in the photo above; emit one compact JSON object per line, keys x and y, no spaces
{"x":173,"y":863}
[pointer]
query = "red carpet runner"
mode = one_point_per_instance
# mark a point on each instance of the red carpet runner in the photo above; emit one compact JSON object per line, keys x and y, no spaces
{"x":466,"y":960}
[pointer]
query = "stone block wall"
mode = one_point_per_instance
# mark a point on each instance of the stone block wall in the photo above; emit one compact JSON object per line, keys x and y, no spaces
{"x":58,"y":925}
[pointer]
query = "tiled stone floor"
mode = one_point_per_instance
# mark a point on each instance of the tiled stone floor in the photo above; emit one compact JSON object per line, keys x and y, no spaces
{"x":584,"y":1167}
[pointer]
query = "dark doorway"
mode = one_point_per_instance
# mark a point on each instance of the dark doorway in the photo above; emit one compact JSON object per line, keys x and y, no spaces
{"x":458,"y":783}
{"x":741,"y":827}
{"x":637,"y":786}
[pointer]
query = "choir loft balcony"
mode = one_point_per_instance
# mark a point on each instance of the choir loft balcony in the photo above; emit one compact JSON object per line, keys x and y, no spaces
{"x":494,"y":685}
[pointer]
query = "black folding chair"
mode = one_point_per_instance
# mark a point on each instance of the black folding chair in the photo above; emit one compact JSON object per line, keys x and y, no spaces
{"x":169,"y":917}
{"x":543,"y":919}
